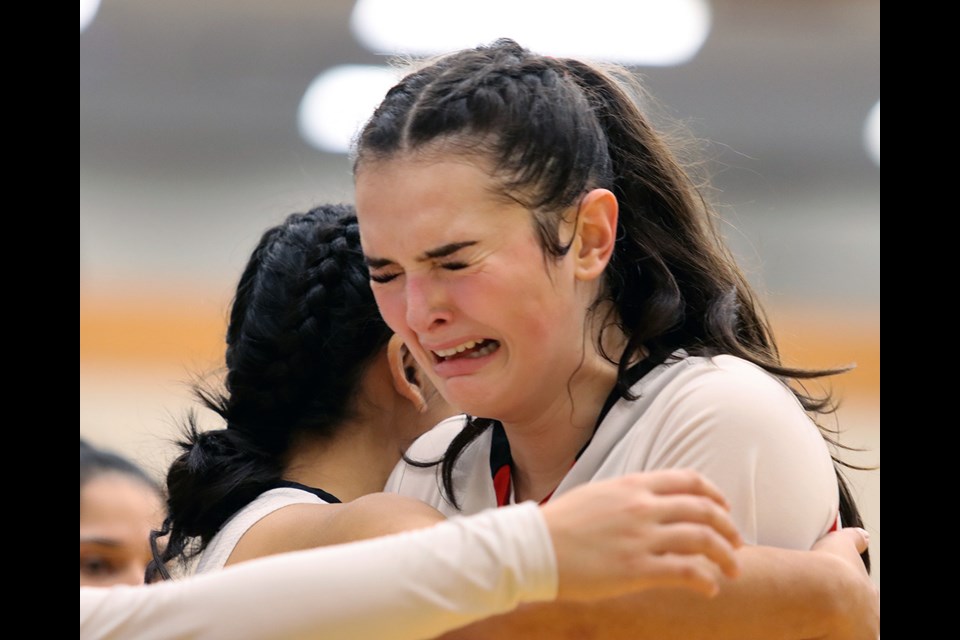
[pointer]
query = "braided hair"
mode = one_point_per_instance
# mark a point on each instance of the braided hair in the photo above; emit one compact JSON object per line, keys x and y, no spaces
{"x":554,"y":129}
{"x":303,"y":328}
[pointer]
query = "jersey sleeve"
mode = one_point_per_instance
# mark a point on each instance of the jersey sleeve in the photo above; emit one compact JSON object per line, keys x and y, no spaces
{"x":405,"y":586}
{"x":746,"y":431}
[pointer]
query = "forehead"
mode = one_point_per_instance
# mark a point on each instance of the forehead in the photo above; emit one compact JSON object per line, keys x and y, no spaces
{"x":115,"y":501}
{"x":415,"y":200}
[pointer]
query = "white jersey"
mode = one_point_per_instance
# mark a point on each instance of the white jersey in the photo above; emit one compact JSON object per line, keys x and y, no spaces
{"x":723,"y":416}
{"x":216,"y":554}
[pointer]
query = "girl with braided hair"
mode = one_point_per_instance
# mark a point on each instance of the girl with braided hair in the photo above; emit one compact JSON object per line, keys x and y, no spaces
{"x":321,"y":399}
{"x":319,"y":402}
{"x":558,"y":276}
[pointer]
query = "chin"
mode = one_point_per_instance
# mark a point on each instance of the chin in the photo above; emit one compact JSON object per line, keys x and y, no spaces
{"x":470,"y":404}
{"x":477,"y":395}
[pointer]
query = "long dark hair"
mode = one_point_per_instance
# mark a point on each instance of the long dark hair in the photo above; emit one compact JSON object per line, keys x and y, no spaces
{"x":303,"y":328}
{"x":554,"y":129}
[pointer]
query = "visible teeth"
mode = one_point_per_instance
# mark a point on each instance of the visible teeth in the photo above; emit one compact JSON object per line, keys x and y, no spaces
{"x":485,"y":350}
{"x":446,"y":353}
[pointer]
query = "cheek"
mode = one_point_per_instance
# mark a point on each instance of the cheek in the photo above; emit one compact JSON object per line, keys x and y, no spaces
{"x":392,"y":307}
{"x":544,"y":314}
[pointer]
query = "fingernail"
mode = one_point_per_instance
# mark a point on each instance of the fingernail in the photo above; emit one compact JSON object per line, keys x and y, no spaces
{"x":865,"y":534}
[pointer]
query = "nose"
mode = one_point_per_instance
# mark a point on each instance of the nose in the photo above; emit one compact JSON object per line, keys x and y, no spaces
{"x":427,"y":303}
{"x":132,"y":573}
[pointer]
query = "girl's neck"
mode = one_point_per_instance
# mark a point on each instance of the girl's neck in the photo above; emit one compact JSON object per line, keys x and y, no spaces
{"x":545,"y":448}
{"x":359,"y":456}
{"x":351,"y":464}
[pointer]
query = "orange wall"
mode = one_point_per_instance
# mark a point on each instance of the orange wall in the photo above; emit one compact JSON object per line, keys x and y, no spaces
{"x":172,"y":328}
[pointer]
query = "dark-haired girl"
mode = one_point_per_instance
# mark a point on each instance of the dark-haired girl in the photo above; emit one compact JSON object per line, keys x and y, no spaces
{"x":119,"y":505}
{"x":556,"y":273}
{"x":318,"y":402}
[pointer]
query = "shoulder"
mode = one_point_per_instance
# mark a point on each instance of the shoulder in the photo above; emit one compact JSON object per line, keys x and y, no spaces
{"x":733,"y":403}
{"x":729,"y":391}
{"x":727,"y":403}
{"x":305,"y":526}
{"x":279,"y":520}
{"x":291,"y":528}
{"x":218,"y":552}
{"x":724,"y":374}
{"x":379,"y":514}
{"x":745,"y":430}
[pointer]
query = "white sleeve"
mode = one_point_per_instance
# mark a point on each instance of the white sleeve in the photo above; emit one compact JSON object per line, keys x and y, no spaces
{"x":746,"y":431}
{"x":410,"y":585}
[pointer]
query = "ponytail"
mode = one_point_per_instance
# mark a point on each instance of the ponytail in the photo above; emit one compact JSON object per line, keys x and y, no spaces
{"x":303,"y":328}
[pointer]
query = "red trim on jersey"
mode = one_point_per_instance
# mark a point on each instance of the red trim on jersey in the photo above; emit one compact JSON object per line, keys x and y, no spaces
{"x":501,"y":485}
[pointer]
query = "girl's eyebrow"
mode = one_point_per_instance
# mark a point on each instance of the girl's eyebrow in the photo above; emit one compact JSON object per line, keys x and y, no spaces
{"x":431,"y":254}
{"x":106,"y":542}
{"x":445,"y":250}
{"x":376,"y":263}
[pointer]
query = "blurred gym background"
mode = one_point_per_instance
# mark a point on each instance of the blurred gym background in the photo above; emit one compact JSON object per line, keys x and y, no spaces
{"x":198,"y":129}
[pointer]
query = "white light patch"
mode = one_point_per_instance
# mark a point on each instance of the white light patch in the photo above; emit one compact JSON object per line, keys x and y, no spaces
{"x":339,"y":101}
{"x":88,"y":9}
{"x":632,"y":32}
{"x":871,"y":133}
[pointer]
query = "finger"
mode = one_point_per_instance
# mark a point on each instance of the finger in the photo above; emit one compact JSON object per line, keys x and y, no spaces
{"x":672,"y":481}
{"x":694,"y":539}
{"x":697,"y":509}
{"x":843,"y":540}
{"x":861,"y":537}
{"x":694,"y":573}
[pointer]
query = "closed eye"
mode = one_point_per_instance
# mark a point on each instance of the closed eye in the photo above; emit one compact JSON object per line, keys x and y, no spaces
{"x":383,"y":278}
{"x":454,"y":266}
{"x":96,"y":566}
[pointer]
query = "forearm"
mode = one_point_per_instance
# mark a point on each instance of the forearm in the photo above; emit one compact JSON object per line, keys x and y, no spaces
{"x":407,"y":586}
{"x":780,"y":595}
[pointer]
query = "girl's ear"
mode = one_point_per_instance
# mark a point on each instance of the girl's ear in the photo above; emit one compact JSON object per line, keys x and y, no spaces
{"x":596,"y":233}
{"x":405,"y":373}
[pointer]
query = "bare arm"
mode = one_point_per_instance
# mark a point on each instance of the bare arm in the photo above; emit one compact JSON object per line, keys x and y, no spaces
{"x":305,"y":526}
{"x":779,"y":595}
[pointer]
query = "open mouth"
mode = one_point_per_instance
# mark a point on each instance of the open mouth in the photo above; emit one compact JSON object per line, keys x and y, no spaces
{"x":470,"y":349}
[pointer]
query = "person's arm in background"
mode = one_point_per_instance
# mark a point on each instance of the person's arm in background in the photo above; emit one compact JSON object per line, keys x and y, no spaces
{"x":635,"y":532}
{"x":780,"y":595}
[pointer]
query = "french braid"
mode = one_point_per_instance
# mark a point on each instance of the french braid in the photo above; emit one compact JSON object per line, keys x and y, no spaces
{"x":303,"y":327}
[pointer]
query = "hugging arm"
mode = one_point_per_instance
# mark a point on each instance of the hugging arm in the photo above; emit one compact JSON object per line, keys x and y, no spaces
{"x":421,"y":583}
{"x":780,"y":594}
{"x":375,"y":588}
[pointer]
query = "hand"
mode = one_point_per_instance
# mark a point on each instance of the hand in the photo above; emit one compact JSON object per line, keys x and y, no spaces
{"x":668,"y":528}
{"x":857,"y":614}
{"x":846,"y":544}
